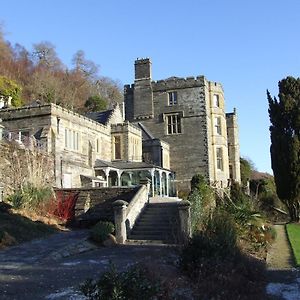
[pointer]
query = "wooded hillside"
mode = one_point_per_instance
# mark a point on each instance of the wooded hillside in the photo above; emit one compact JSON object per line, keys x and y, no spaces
{"x":41,"y":75}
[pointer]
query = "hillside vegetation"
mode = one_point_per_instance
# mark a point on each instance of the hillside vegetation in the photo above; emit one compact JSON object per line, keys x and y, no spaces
{"x":39,"y":74}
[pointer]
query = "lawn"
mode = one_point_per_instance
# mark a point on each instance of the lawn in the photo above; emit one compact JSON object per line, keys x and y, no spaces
{"x":293,"y":231}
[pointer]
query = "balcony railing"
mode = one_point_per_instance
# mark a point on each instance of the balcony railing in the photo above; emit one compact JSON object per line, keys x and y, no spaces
{"x":23,"y":139}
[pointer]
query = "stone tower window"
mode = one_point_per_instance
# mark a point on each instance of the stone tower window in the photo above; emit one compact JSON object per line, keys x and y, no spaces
{"x":218,"y":127}
{"x":220,"y":159}
{"x":216,"y":100}
{"x":172,"y":98}
{"x":173,"y":124}
{"x":117,"y":147}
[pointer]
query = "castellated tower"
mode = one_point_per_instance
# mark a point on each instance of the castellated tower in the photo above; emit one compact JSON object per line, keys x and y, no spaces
{"x":189,"y":115}
{"x":233,"y":146}
{"x":143,"y":90}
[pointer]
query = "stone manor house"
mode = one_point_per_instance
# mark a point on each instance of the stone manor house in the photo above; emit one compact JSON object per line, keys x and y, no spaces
{"x":170,"y":130}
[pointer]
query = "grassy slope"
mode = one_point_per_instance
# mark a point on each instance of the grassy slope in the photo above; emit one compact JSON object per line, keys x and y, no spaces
{"x":293,"y":231}
{"x":23,"y":229}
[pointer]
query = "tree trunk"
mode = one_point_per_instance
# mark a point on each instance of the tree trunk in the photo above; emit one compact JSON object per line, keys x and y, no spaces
{"x":294,"y":211}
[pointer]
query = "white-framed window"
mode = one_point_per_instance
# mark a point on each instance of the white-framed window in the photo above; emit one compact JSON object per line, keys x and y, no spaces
{"x":218,"y":126}
{"x":219,"y":158}
{"x":117,"y":147}
{"x":71,"y":139}
{"x":173,"y":123}
{"x":216,"y":100}
{"x":172,"y":96}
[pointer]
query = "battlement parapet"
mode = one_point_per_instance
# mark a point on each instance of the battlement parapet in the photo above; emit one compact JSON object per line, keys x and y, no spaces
{"x":46,"y":110}
{"x":178,"y":83}
{"x":126,"y":127}
{"x":142,"y":60}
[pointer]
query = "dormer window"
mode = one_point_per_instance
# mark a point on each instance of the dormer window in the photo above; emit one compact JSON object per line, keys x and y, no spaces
{"x":172,"y":98}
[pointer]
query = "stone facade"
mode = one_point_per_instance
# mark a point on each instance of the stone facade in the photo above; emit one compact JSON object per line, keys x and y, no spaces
{"x":99,"y":150}
{"x":189,"y":115}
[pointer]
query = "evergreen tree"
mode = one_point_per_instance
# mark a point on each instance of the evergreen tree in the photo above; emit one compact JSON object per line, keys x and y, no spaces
{"x":284,"y":115}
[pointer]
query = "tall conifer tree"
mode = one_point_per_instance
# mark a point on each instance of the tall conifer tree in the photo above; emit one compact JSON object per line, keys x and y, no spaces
{"x":284,"y":115}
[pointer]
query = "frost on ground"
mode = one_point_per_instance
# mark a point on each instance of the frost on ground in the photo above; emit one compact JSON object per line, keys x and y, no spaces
{"x":285,"y":291}
{"x":67,"y":293}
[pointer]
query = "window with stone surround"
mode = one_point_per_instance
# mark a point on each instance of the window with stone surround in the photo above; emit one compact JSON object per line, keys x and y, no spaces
{"x":173,"y":123}
{"x":117,"y":147}
{"x":219,"y":158}
{"x":216,"y":100}
{"x":71,"y":139}
{"x":218,"y":126}
{"x":172,"y":98}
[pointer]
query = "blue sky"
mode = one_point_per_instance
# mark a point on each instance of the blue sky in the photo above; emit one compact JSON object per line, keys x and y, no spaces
{"x":248,"y":46}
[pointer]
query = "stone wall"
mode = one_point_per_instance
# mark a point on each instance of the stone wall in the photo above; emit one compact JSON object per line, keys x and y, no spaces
{"x":74,"y":140}
{"x":95,"y":204}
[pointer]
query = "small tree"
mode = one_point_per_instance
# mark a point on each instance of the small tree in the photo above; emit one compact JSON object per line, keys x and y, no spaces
{"x":95,"y":103}
{"x":9,"y":88}
{"x":284,"y":115}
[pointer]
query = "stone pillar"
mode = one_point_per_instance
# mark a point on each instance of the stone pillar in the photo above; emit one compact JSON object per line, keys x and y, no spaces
{"x":152,"y":182}
{"x":146,"y":181}
{"x":120,"y":207}
{"x":119,"y":173}
{"x":167,"y":182}
{"x":184,"y":208}
{"x":160,"y":183}
{"x":107,"y":175}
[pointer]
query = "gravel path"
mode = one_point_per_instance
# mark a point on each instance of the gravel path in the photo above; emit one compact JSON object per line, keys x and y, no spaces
{"x":283,"y":277}
{"x":280,"y":255}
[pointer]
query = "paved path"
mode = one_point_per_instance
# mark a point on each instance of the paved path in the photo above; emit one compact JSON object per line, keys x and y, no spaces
{"x":283,"y":278}
{"x":55,"y":267}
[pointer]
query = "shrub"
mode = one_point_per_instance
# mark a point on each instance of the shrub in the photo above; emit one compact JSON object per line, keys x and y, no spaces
{"x":16,"y":200}
{"x":135,"y":283}
{"x":101,"y":230}
{"x":63,"y":206}
{"x":217,"y":240}
{"x":202,"y":201}
{"x":30,"y":197}
{"x":236,"y":277}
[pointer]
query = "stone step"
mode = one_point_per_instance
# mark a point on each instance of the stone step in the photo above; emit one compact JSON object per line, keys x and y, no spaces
{"x":153,"y":222}
{"x":162,"y":205}
{"x":146,"y":242}
{"x":150,"y":226}
{"x":144,"y":236}
{"x":155,"y":231}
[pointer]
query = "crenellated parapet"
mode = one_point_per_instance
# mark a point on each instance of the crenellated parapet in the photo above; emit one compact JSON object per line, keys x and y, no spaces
{"x":178,"y":83}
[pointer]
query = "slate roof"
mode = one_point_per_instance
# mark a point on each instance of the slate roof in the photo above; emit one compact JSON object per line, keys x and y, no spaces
{"x":146,"y":134}
{"x":100,"y":116}
{"x":124,"y":165}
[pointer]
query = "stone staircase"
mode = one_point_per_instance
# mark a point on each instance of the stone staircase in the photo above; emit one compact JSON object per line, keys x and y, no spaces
{"x":157,"y":224}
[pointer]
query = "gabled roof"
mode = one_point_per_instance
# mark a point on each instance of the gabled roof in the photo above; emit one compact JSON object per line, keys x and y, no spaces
{"x":146,"y":134}
{"x":100,"y":116}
